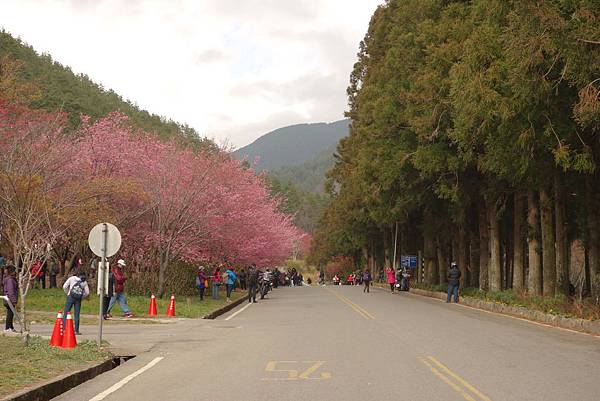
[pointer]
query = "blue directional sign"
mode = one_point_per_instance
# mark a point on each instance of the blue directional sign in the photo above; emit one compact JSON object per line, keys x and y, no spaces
{"x":408,"y":261}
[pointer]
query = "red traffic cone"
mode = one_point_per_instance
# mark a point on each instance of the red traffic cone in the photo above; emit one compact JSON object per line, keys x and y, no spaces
{"x":69,"y":340}
{"x":152,"y":308}
{"x":57,"y":334}
{"x":171,"y":309}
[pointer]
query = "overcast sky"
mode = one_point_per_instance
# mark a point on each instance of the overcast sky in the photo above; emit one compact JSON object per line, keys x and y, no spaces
{"x":232,"y":69}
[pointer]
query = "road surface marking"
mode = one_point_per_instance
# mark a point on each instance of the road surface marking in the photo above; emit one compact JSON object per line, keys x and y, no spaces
{"x":123,"y":382}
{"x":358,"y":309}
{"x":460,"y":379}
{"x":292,"y":374}
{"x":443,"y":378}
{"x":238,"y":312}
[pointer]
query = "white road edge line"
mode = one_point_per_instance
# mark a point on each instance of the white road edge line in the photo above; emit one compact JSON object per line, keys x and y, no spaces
{"x":238,"y":312}
{"x":123,"y":382}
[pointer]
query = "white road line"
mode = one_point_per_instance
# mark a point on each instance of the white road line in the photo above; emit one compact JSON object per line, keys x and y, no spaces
{"x":123,"y":382}
{"x":238,"y":312}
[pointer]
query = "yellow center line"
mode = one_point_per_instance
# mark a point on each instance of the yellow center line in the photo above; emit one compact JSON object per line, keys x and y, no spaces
{"x":351,"y":304}
{"x":443,"y":378}
{"x":460,"y":379}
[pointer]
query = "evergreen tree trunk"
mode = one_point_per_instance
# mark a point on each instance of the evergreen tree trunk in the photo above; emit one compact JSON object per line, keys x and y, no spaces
{"x":593,"y":237}
{"x":429,"y":238}
{"x":462,"y":254}
{"x":562,"y":241}
{"x":548,"y":244}
{"x":474,"y":258}
{"x":533,"y":251}
{"x":484,"y":247}
{"x":495,"y":263}
{"x":519,"y":244}
{"x":441,"y":257}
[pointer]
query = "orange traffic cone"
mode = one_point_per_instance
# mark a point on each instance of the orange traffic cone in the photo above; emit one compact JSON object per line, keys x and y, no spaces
{"x":57,"y":334}
{"x":171,"y":309}
{"x":69,"y":340}
{"x":152,"y":308}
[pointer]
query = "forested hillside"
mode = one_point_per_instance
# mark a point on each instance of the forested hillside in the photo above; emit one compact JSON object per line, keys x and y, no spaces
{"x":48,"y":85}
{"x":475,"y":127}
{"x":310,"y":175}
{"x":293,"y":145}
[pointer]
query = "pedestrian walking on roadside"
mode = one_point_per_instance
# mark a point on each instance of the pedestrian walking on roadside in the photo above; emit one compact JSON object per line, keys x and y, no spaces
{"x":201,"y":282}
{"x":252,"y":283}
{"x":215,"y":281}
{"x":76,"y":288}
{"x":11,"y":290}
{"x":119,"y":278}
{"x":243,"y":276}
{"x":453,"y":282}
{"x":366,"y":279}
{"x":230,"y":282}
{"x":322,"y":277}
{"x":391,"y":278}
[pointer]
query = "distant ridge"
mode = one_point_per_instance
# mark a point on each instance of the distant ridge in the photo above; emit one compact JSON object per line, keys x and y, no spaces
{"x":293,"y":145}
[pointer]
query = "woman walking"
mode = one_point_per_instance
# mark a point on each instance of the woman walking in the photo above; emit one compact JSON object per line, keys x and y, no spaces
{"x":11,"y":290}
{"x":366,"y":279}
{"x":230,"y":282}
{"x":76,"y":288}
{"x":391,"y":278}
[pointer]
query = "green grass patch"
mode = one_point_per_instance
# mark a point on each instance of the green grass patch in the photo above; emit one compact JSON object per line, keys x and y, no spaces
{"x":24,"y":366}
{"x":53,"y":300}
{"x":559,"y":305}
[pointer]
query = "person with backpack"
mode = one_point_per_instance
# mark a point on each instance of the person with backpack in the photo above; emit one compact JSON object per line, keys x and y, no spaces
{"x":230,"y":279}
{"x":76,"y":288}
{"x":11,"y":290}
{"x":119,"y":279}
{"x":252,"y":283}
{"x":453,"y":282}
{"x":366,"y":279}
{"x":201,"y":282}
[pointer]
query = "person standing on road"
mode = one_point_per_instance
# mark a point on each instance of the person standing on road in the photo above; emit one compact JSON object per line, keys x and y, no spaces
{"x":252,"y":283}
{"x":366,"y":279}
{"x":201,"y":282}
{"x":119,"y":290}
{"x":391,"y":278}
{"x":53,"y":272}
{"x":11,"y":290}
{"x":453,"y":282}
{"x":76,"y":288}
{"x":230,"y":282}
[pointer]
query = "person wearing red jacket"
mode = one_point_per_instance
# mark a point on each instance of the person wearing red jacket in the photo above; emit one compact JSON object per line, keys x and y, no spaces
{"x":119,"y":290}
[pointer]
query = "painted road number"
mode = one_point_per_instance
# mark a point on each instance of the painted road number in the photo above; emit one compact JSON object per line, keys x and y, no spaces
{"x":282,"y":370}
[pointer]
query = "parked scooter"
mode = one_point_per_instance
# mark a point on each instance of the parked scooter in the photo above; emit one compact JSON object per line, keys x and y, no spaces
{"x":403,"y":280}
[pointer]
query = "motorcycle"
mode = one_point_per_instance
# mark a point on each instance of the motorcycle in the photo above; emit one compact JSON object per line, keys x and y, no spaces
{"x":403,"y":280}
{"x":264,"y":285}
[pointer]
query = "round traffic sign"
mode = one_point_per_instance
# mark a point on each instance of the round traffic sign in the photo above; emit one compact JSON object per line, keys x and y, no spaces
{"x":96,"y":239}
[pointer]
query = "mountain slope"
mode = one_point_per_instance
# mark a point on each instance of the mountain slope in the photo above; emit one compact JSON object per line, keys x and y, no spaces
{"x":293,"y":145}
{"x":310,"y":175}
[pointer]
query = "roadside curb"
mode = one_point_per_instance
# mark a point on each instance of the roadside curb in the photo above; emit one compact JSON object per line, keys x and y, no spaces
{"x":568,"y":323}
{"x":225,"y":308}
{"x":62,"y":384}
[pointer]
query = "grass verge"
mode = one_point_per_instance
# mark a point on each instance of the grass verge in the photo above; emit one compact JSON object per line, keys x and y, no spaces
{"x":53,"y":300}
{"x":23,"y":366}
{"x":559,"y":305}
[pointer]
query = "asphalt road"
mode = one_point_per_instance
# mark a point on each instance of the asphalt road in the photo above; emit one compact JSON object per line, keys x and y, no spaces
{"x":337,"y":343}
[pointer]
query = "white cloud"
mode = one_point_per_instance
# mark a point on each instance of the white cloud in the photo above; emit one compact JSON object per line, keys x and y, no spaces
{"x":232,"y":69}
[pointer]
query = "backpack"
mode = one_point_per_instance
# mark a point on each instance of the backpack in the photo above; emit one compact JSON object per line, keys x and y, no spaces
{"x":366,"y":276}
{"x":77,"y":290}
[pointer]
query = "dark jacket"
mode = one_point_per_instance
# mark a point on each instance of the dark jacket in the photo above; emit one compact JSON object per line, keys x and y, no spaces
{"x":252,"y":277}
{"x":454,"y":276}
{"x":11,"y":289}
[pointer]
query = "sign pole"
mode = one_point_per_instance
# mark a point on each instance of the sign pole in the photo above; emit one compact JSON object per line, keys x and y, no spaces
{"x":101,"y":281}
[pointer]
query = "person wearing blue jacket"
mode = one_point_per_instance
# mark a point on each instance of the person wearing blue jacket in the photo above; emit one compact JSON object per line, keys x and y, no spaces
{"x":230,"y":282}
